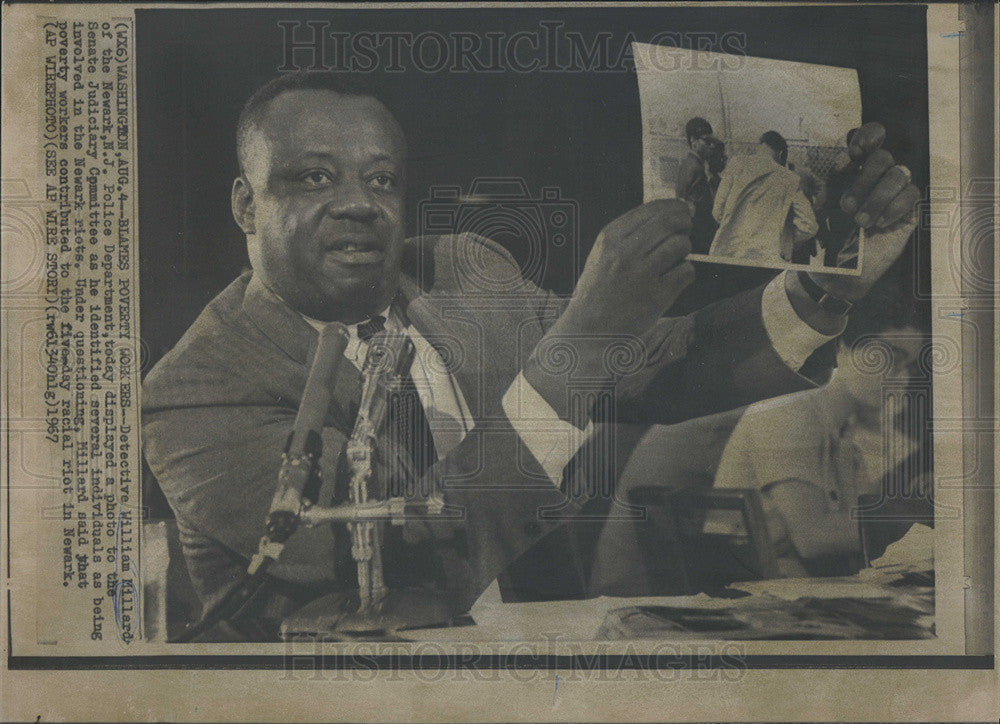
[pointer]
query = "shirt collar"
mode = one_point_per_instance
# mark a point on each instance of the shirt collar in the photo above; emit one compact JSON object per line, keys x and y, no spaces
{"x":352,"y":329}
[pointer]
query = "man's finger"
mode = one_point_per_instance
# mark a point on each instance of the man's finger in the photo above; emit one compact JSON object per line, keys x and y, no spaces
{"x":631,"y":219}
{"x":876,"y":165}
{"x":657,"y":230}
{"x":678,"y":279}
{"x":866,"y":140}
{"x":666,"y":211}
{"x":669,"y":252}
{"x":899,"y":208}
{"x":676,"y":217}
{"x":888,"y":187}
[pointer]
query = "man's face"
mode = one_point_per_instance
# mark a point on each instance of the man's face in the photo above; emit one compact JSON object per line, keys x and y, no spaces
{"x":768,"y":151}
{"x":893,"y":359}
{"x":325,"y":223}
{"x":700,"y":146}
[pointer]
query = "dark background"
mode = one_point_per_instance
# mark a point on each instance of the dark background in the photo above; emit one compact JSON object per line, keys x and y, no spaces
{"x":577,"y":131}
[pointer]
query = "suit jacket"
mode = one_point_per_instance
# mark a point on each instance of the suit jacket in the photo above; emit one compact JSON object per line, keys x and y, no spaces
{"x":690,"y":176}
{"x":761,"y":210}
{"x":217,"y":409}
{"x":693,"y":185}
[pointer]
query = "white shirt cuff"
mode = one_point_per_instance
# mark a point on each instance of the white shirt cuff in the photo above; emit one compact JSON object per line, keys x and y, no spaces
{"x":552,"y":441}
{"x":792,"y":338}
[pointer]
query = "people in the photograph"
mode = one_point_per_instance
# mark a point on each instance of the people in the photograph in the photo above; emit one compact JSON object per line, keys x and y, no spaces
{"x":814,"y":189}
{"x":715,"y":163}
{"x":839,"y":242}
{"x":320,"y":199}
{"x":761,"y":210}
{"x":694,"y":180}
{"x":814,"y":454}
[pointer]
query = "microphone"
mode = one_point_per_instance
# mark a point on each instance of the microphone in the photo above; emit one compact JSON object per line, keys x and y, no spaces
{"x":300,"y":461}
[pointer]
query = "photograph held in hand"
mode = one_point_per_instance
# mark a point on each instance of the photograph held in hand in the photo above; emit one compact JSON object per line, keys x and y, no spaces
{"x":768,"y":154}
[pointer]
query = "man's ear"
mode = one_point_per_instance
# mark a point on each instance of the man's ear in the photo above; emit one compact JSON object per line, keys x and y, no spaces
{"x":243,"y":205}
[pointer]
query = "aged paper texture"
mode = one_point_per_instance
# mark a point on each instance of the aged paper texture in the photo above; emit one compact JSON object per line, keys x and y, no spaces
{"x":499,"y":362}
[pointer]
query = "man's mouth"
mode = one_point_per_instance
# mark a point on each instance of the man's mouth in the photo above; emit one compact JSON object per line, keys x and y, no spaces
{"x":356,"y":253}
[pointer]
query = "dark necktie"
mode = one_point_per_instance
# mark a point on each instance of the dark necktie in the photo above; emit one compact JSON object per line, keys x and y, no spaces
{"x":406,"y":421}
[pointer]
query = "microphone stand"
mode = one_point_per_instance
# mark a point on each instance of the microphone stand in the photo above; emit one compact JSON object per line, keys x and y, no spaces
{"x":389,"y":355}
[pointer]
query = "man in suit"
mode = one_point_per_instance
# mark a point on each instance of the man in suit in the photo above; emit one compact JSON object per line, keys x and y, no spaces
{"x":693,"y":183}
{"x":762,"y":212}
{"x":503,"y":368}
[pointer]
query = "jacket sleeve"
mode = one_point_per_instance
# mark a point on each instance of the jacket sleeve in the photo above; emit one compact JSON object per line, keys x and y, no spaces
{"x":718,"y":358}
{"x":802,"y":217}
{"x":687,"y":171}
{"x":715,"y":359}
{"x":218,"y":467}
{"x":722,"y":358}
{"x":722,"y":196}
{"x":217,"y":463}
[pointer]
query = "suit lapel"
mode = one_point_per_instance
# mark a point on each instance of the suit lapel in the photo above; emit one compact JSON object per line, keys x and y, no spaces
{"x":475,"y":335}
{"x":453,"y":331}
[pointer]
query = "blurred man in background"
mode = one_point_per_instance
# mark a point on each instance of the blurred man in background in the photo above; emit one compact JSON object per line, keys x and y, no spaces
{"x":822,"y":461}
{"x":814,"y":454}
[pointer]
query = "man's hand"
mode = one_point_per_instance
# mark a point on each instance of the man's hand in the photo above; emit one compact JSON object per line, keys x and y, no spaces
{"x":881,"y":200}
{"x":634,"y":273}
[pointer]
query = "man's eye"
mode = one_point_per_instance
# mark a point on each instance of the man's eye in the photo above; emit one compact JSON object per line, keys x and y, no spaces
{"x":383,"y":181}
{"x":315,"y":178}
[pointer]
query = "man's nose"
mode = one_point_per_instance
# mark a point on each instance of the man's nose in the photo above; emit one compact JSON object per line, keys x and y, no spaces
{"x":354,"y":203}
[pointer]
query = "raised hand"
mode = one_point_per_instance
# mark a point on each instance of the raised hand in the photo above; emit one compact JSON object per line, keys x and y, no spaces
{"x":635,"y":271}
{"x":879,"y":198}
